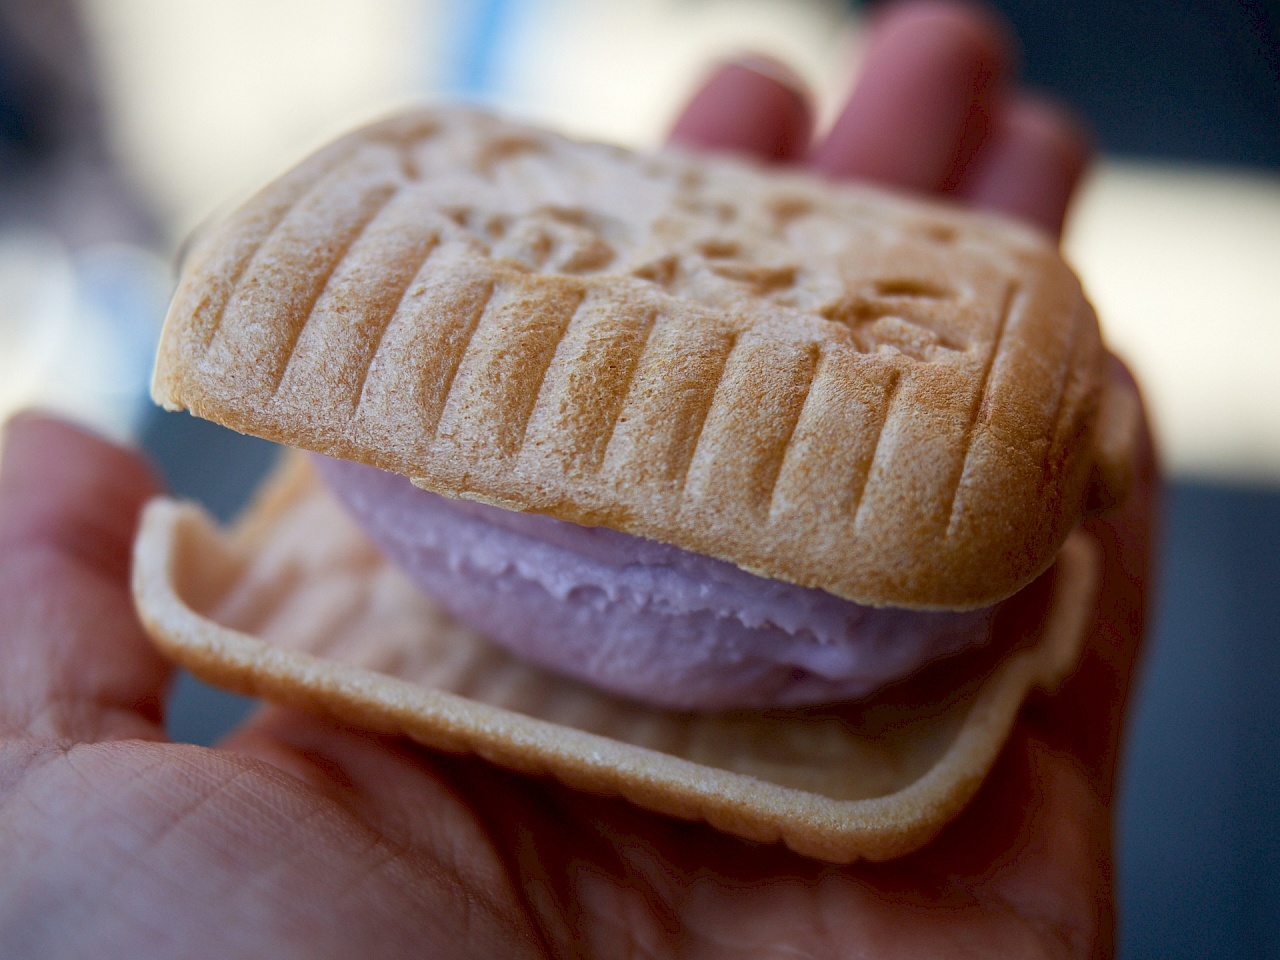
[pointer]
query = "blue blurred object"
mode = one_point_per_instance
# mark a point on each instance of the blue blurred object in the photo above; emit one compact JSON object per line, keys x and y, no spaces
{"x":477,"y":33}
{"x":1189,"y":80}
{"x":24,"y":135}
{"x":199,"y":713}
{"x":1199,"y":853}
{"x":56,"y":167}
{"x":201,"y":461}
{"x":219,"y":469}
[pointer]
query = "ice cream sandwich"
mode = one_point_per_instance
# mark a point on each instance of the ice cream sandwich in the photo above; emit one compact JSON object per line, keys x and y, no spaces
{"x":744,"y":494}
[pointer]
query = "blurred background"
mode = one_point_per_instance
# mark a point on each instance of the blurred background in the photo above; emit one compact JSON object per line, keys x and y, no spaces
{"x":124,"y":124}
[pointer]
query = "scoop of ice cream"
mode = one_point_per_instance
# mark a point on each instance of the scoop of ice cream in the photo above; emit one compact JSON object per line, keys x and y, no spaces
{"x":642,"y":619}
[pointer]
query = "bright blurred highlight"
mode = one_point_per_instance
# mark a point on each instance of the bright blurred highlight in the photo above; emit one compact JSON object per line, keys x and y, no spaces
{"x":77,"y":330}
{"x":1184,"y":267}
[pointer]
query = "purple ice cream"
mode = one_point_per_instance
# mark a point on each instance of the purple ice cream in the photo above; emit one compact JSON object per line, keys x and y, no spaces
{"x":642,"y":619}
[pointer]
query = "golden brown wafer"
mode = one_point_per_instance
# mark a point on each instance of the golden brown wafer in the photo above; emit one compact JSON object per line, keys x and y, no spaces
{"x":891,"y":400}
{"x":295,"y":605}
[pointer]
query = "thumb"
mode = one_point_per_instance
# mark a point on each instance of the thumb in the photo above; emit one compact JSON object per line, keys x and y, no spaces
{"x":74,"y":662}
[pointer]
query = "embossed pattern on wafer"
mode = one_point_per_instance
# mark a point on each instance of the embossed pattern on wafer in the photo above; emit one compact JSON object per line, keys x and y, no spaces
{"x":581,"y":403}
{"x":346,"y":326}
{"x":889,"y":400}
{"x":501,"y":372}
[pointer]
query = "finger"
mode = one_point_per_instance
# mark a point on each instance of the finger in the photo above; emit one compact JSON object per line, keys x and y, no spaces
{"x":74,"y":662}
{"x":1085,"y":717}
{"x":1030,"y":164}
{"x":754,"y":106}
{"x":931,"y":77}
{"x":1034,"y":844}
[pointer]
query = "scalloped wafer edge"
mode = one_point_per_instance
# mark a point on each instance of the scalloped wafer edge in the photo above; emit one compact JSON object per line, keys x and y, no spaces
{"x":179,"y":552}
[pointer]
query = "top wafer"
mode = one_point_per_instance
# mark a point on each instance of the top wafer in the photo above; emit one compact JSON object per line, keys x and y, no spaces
{"x":892,"y":401}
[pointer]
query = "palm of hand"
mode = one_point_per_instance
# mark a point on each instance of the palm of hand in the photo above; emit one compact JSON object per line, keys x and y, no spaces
{"x":300,"y":837}
{"x":136,"y":848}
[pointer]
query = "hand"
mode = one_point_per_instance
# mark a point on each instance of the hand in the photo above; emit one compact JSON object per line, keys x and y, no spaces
{"x":298,"y":837}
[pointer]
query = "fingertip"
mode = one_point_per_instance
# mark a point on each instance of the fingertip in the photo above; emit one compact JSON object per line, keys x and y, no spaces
{"x":932,"y":72}
{"x":1030,"y":165}
{"x":754,"y":106}
{"x":61,"y":484}
{"x":979,"y":25}
{"x":47,"y":443}
{"x":74,"y":662}
{"x":1147,"y":465}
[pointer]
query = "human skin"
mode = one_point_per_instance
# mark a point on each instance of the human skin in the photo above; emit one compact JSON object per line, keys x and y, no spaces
{"x":300,"y":837}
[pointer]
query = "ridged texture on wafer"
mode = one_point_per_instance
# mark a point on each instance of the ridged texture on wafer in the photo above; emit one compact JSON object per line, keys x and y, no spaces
{"x":295,"y":605}
{"x":889,"y":400}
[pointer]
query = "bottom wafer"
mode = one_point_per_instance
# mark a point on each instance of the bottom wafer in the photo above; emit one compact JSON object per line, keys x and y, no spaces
{"x":293,"y":604}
